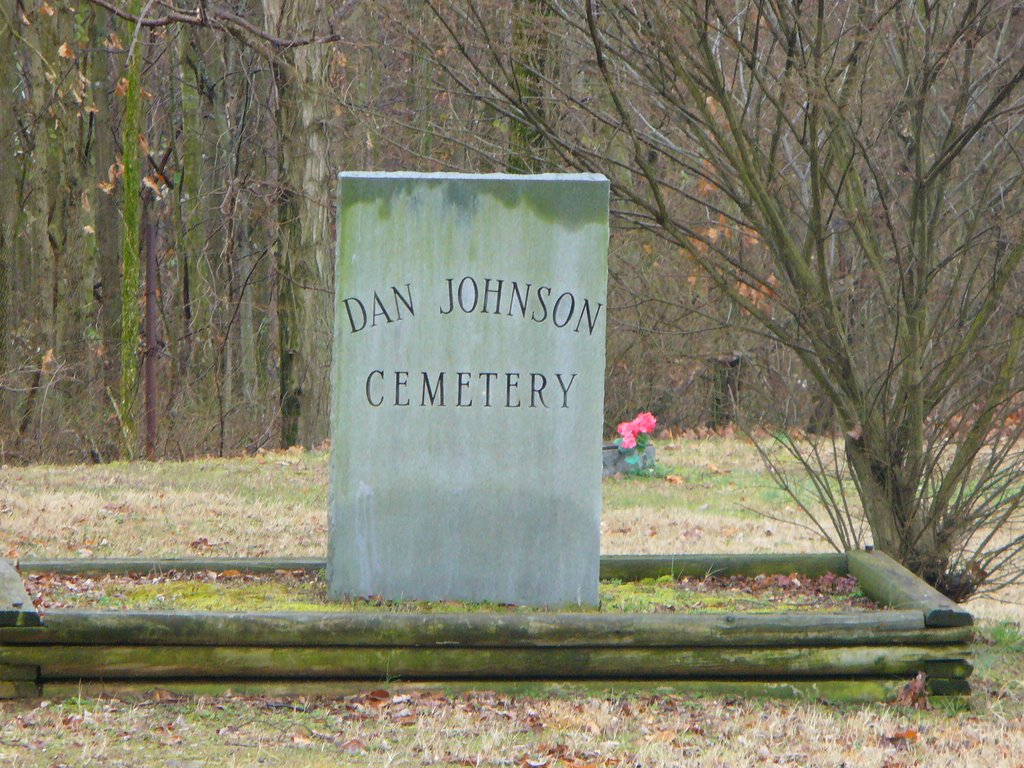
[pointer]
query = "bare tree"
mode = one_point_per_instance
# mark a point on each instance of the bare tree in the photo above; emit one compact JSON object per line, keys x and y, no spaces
{"x":8,"y":182}
{"x":131,"y":267}
{"x":306,"y":264}
{"x":849,"y":175}
{"x":294,"y":40}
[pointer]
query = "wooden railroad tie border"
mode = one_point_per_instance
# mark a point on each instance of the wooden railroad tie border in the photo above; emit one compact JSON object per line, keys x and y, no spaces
{"x":16,"y":609}
{"x":887,"y":582}
{"x":484,"y":630}
{"x":623,"y":567}
{"x":126,"y":662}
{"x":841,"y":656}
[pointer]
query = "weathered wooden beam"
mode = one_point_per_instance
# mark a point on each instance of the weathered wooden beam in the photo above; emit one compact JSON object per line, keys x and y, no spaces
{"x":948,"y":668}
{"x":948,"y":686}
{"x":11,"y":673}
{"x":624,"y":567}
{"x":367,"y":663}
{"x":16,"y":609}
{"x":324,"y":629}
{"x":865,"y":690}
{"x":887,"y":582}
{"x":123,"y":565}
{"x":19,"y":689}
{"x":633,"y":567}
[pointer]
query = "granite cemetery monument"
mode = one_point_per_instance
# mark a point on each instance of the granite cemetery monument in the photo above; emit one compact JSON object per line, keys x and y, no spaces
{"x":468,"y":384}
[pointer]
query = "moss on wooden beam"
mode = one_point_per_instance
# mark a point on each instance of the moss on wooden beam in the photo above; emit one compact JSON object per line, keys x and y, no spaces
{"x":18,"y":673}
{"x":887,"y":582}
{"x":143,"y":565}
{"x":632,"y":567}
{"x":181,"y":662}
{"x":19,"y":689}
{"x":624,"y":567}
{"x":948,"y":686}
{"x":326,"y":629}
{"x":842,"y":656}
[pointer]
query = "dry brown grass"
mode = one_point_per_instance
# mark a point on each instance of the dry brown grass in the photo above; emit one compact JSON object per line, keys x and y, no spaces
{"x":275,"y":505}
{"x":719,"y":499}
{"x":493,"y":730}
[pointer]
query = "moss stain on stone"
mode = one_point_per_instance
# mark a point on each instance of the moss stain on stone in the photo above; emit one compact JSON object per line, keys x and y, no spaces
{"x":571,"y":200}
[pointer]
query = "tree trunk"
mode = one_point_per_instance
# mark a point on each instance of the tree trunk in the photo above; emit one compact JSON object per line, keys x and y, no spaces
{"x":149,"y":228}
{"x":196,"y":282}
{"x":225,"y":224}
{"x":305,"y":255}
{"x":525,"y":141}
{"x":246,"y":315}
{"x":131,"y":263}
{"x":8,"y":180}
{"x":898,"y":522}
{"x":107,"y":217}
{"x":38,"y":202}
{"x":35,"y":262}
{"x":726,"y":395}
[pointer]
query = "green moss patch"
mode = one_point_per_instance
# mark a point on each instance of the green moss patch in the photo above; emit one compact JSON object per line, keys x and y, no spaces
{"x":301,"y":591}
{"x":735,"y":593}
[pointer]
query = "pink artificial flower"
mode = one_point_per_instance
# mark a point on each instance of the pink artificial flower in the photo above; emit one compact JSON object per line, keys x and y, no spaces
{"x":628,"y":440}
{"x":627,"y":429}
{"x":645,"y":422}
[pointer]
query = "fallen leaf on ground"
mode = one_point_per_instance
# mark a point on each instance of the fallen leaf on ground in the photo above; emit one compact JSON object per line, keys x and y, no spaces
{"x":915,"y":693}
{"x":352,"y":746}
{"x":902,"y":738}
{"x":202,"y":543}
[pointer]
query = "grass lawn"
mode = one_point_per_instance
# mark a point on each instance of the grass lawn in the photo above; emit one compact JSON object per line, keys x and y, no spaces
{"x":719,"y":499}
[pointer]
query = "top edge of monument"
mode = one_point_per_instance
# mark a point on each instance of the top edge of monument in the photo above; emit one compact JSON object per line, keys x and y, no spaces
{"x":444,"y":176}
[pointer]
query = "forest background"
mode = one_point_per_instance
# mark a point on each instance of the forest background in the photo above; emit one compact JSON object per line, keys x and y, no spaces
{"x":223,"y":142}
